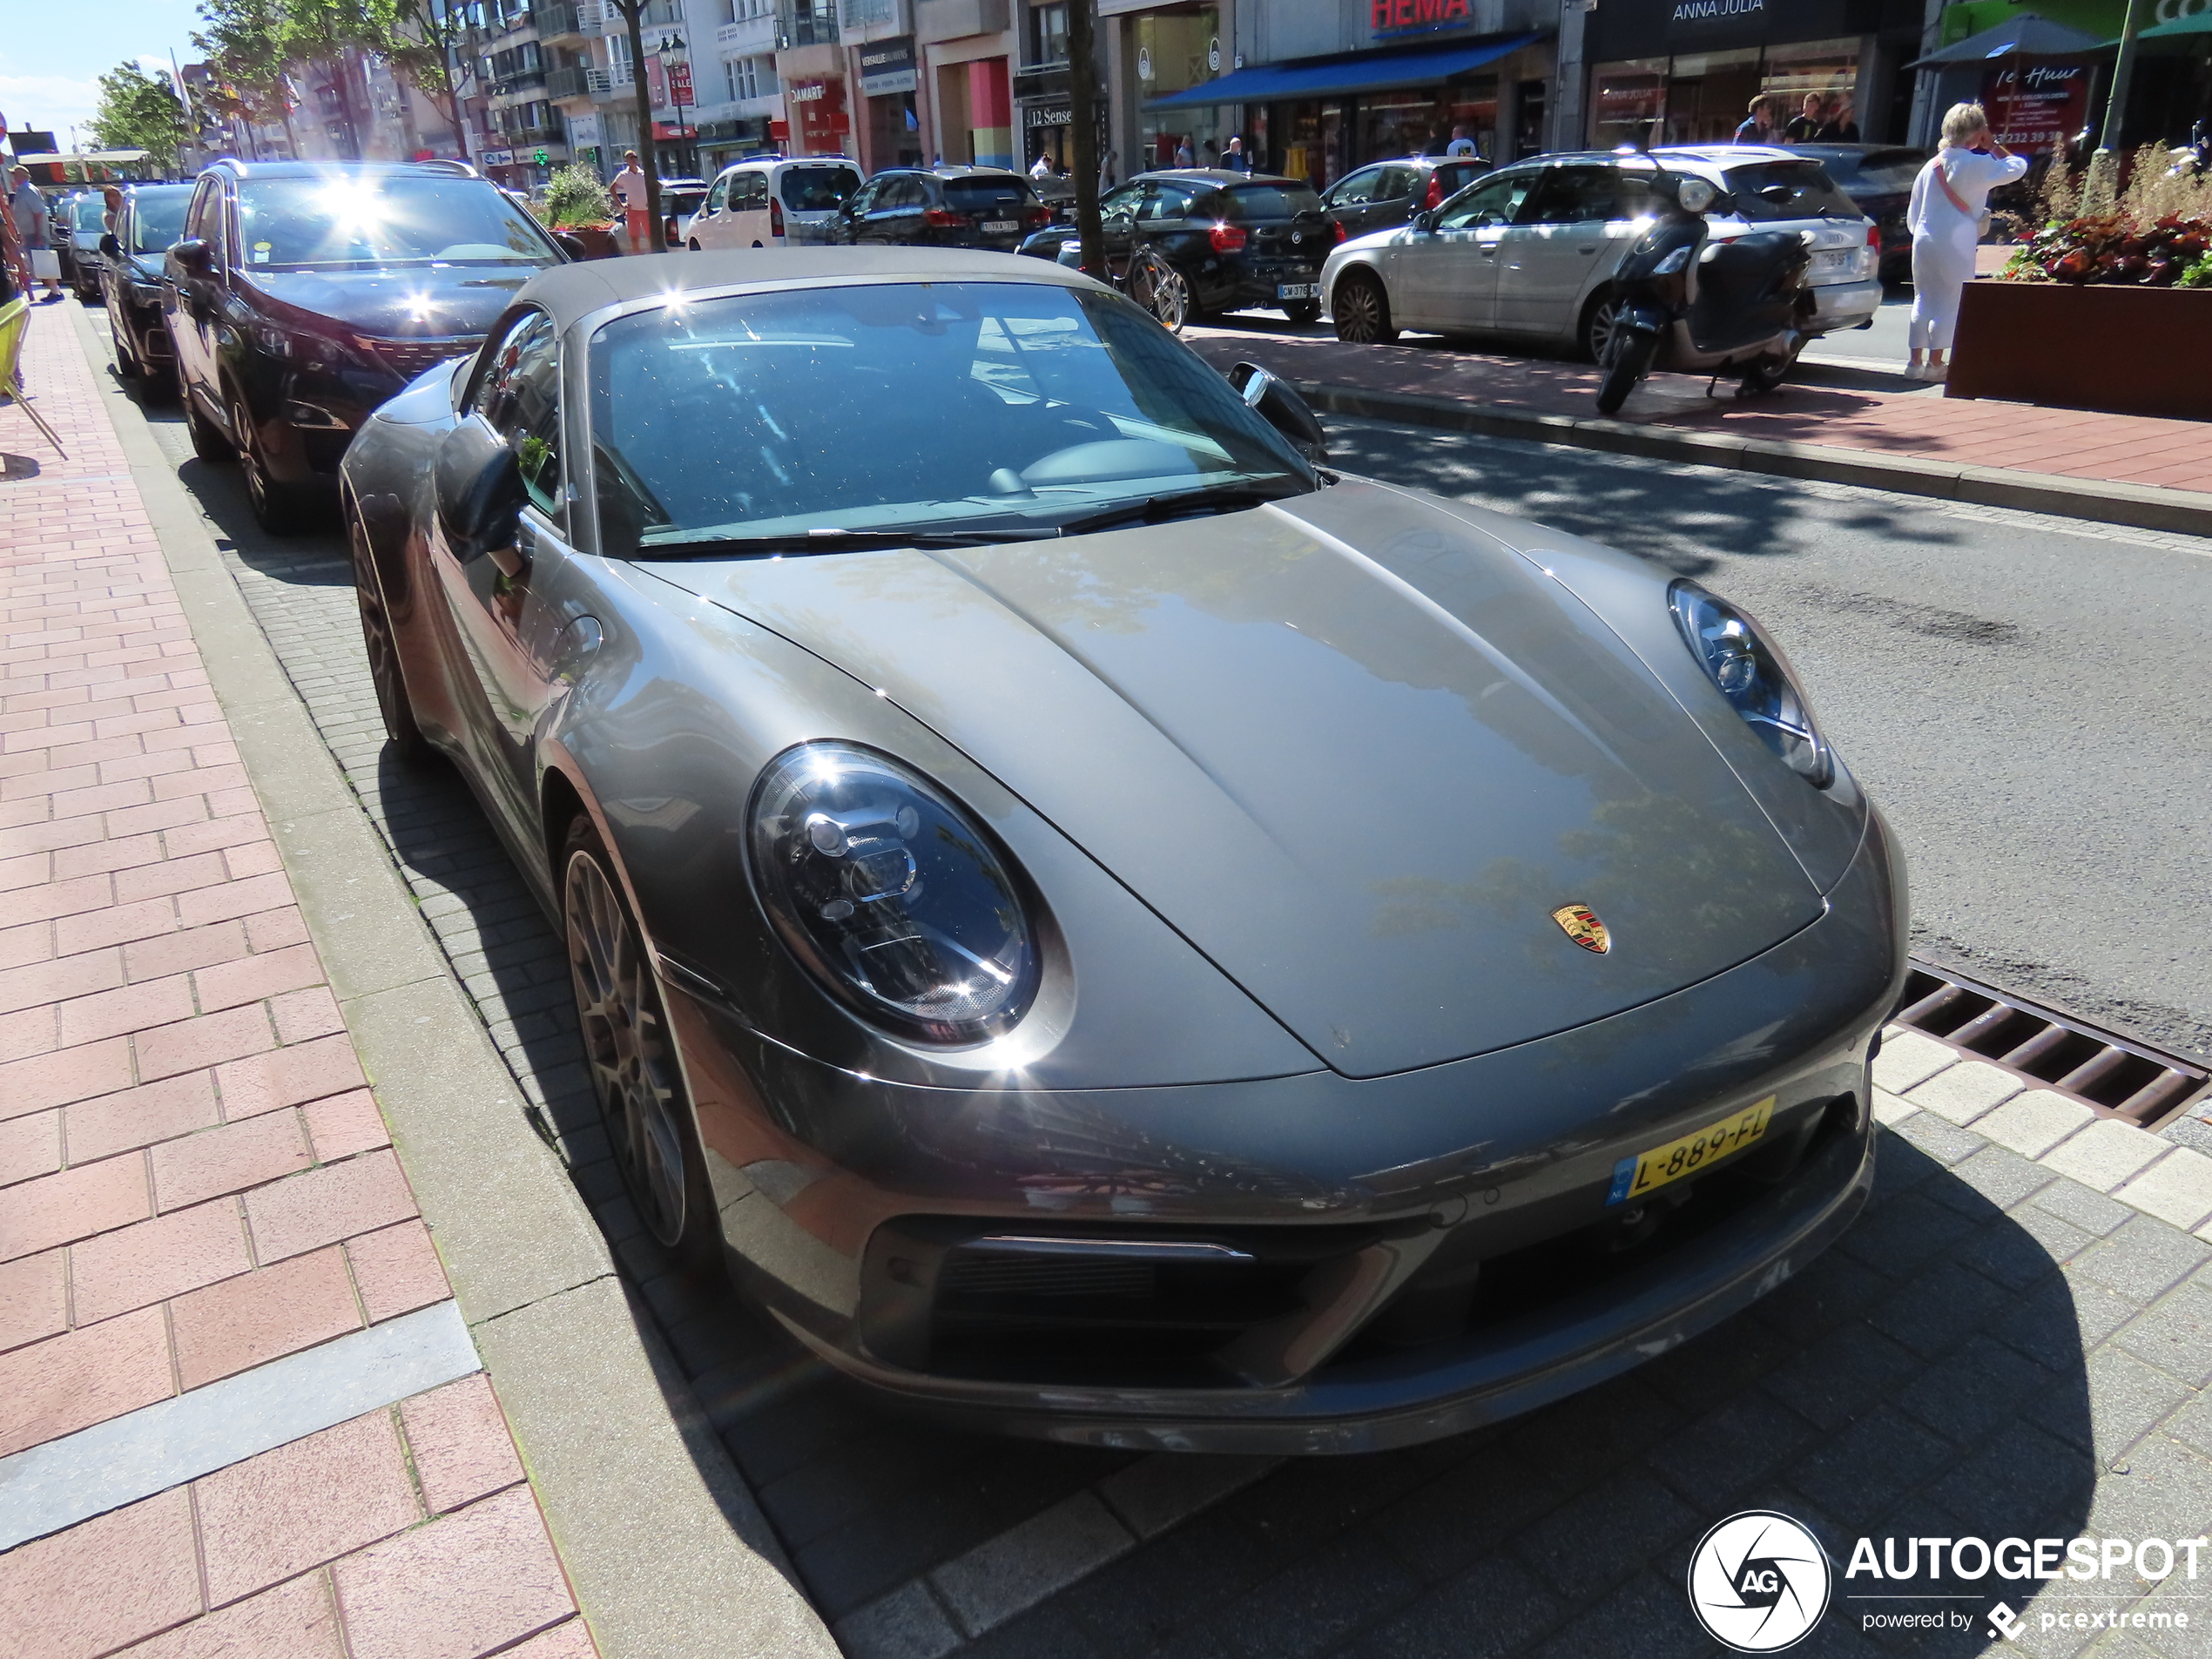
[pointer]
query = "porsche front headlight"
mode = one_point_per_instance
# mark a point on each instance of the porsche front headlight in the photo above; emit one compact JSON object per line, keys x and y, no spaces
{"x":892,"y":896}
{"x":1756,"y":679}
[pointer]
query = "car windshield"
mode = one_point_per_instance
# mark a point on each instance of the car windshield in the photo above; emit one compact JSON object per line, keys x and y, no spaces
{"x":1802,"y":191}
{"x":346,"y":219}
{"x":972,"y":195}
{"x":90,"y":213}
{"x":994,"y":410}
{"x":157,"y":217}
{"x":818,"y":190}
{"x":1247,"y":203}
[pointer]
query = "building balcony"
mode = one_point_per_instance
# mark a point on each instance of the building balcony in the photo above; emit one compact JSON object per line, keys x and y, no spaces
{"x":568,"y":82}
{"x":557,"y":20}
{"x":806,"y":26}
{"x":751,"y":35}
{"x":527,"y":80}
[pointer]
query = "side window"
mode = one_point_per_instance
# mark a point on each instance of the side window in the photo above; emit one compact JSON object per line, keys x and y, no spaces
{"x":520,"y":398}
{"x":1496,"y":200}
{"x":1355,"y":190}
{"x":1165,"y":201}
{"x":1124,"y":201}
{"x":750,"y":192}
{"x":202,"y":220}
{"x":1396,"y":182}
{"x":717,"y":196}
{"x":864,"y":198}
{"x":1570,"y":196}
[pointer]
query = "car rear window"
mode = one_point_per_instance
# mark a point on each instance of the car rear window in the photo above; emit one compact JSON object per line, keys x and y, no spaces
{"x":1247,"y":204}
{"x":816,"y":189}
{"x":975,"y":195}
{"x":1812,"y":194}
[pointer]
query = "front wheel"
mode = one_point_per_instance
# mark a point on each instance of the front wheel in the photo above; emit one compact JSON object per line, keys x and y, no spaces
{"x":207,"y":440}
{"x":1362,"y":312}
{"x":1631,"y":357}
{"x":279,"y":509}
{"x":627,"y":1048}
{"x":384,"y":671}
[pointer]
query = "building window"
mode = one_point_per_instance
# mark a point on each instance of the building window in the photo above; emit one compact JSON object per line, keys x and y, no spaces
{"x":750,"y":77}
{"x":1048,"y":35}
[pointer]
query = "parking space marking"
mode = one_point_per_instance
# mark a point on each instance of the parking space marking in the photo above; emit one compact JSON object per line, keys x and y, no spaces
{"x":125,"y":1459}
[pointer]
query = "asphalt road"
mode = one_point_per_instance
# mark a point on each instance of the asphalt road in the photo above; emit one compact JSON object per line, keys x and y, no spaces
{"x":2024,"y":696}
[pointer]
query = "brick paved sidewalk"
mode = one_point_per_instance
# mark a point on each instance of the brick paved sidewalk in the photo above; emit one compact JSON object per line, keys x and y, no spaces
{"x":239,"y":1414}
{"x":1920,"y":425}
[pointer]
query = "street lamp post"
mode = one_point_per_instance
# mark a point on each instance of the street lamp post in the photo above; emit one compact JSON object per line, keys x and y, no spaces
{"x":679,"y":91}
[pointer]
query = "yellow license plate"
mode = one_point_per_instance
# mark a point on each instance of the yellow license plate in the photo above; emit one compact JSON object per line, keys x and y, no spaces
{"x":1645,"y":1172}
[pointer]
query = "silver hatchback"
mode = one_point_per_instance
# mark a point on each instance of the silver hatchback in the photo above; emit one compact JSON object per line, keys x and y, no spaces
{"x":1530,"y":250}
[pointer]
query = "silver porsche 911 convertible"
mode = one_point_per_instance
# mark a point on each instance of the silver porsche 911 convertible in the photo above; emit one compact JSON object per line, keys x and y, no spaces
{"x":1112,"y":930}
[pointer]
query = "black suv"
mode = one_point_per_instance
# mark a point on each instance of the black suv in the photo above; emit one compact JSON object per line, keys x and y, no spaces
{"x":303,"y":294}
{"x":149,"y":221}
{"x":1239,"y":240}
{"x":986,"y":207}
{"x":1390,"y":193}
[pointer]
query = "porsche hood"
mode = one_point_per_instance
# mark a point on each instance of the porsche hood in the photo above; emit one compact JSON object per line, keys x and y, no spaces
{"x":1380,"y":770}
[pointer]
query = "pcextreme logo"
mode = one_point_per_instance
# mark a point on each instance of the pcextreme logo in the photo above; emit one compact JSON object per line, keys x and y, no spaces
{"x":1758,"y":1582}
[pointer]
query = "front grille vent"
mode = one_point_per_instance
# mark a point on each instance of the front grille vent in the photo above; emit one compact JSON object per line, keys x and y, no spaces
{"x":2114,"y":1076}
{"x":408,"y":358}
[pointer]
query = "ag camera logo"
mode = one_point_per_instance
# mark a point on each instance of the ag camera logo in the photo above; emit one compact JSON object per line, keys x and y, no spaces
{"x":1758,"y":1582}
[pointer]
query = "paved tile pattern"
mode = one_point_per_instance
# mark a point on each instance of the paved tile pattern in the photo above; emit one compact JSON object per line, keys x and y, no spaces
{"x":1986,"y":1353}
{"x":2120,"y":448}
{"x":194,"y":1177}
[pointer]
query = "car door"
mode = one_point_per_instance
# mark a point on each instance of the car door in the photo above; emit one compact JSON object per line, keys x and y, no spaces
{"x":1549,"y":255}
{"x":1396,"y":199}
{"x":845,"y":227}
{"x":195,"y":301}
{"x":1445,"y":277}
{"x":507,"y":631}
{"x":745,"y":216}
{"x":711,"y":226}
{"x":1349,"y":199}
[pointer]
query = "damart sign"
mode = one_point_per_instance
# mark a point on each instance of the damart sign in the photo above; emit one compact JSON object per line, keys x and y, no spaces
{"x":1759,"y":1581}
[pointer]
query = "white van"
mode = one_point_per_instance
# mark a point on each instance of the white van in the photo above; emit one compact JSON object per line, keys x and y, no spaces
{"x":772,"y":203}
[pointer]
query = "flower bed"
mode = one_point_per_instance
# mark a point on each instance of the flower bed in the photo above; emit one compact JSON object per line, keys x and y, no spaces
{"x":2112,"y":250}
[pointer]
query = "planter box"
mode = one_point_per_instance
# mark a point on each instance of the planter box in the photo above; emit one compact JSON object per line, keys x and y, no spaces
{"x":2124,"y":351}
{"x":598,"y":240}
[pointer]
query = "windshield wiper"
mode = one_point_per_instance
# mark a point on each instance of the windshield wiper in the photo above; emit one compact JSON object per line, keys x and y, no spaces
{"x":1154,"y":509}
{"x":804,"y":542}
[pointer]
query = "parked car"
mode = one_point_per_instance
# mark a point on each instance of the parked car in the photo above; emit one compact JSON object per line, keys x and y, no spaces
{"x":1390,"y":193}
{"x":981,"y":207}
{"x":151,"y":220}
{"x":772,"y":202}
{"x":1879,"y":178}
{"x":1112,"y":930}
{"x":680,"y":200}
{"x":1530,"y":251}
{"x":303,"y":294}
{"x":78,"y":223}
{"x":1238,"y":239}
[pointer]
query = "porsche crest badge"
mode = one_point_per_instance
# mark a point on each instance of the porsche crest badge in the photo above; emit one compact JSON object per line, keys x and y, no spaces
{"x":1580,"y":923}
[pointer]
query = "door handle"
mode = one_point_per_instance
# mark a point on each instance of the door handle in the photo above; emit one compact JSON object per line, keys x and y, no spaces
{"x":1591,"y":249}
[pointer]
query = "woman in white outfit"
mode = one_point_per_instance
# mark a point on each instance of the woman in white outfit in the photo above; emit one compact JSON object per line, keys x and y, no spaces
{"x":1949,"y":197}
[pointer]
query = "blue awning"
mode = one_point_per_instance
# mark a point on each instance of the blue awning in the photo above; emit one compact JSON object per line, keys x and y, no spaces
{"x":1349,"y":72}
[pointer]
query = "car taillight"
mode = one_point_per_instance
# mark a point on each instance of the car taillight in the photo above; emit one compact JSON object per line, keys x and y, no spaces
{"x":1874,"y":235}
{"x":1227,"y":238}
{"x":943,"y":218}
{"x":1436,"y":197}
{"x":1037,"y":213}
{"x":775,"y":217}
{"x":1336,"y":230}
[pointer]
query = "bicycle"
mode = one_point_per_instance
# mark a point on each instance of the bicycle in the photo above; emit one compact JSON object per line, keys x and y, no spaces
{"x":1147,"y":278}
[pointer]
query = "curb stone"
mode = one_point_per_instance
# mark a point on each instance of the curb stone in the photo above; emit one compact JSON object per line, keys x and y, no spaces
{"x":2140,"y":506}
{"x":665,"y":1546}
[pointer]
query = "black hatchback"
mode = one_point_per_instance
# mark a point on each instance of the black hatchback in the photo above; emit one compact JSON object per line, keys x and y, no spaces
{"x":981,"y":207}
{"x":304,"y":294}
{"x":1377,"y":197}
{"x":1239,"y":240}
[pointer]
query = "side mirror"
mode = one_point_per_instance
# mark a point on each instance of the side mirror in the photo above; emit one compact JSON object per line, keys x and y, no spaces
{"x":109,"y":248}
{"x":478,"y":487}
{"x":1424,"y":220}
{"x":570,"y":245}
{"x":195,"y":256}
{"x":1270,"y":396}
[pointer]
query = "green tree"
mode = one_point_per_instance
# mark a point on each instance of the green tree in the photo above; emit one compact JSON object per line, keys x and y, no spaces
{"x":422,"y":40}
{"x":248,"y":43}
{"x":139,"y":111}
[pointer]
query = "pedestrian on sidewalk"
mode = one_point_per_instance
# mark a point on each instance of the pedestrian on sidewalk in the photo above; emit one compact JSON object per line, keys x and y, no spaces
{"x":1949,"y":206}
{"x":1763,"y":124}
{"x":1804,"y":126}
{"x":34,"y":227}
{"x":629,"y":187}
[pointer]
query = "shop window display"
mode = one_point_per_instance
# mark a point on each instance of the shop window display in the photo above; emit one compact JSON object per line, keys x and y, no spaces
{"x":1175,"y":49}
{"x":1705,"y":95}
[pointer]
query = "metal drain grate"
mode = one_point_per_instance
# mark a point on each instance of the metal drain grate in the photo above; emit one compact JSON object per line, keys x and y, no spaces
{"x":2114,"y":1076}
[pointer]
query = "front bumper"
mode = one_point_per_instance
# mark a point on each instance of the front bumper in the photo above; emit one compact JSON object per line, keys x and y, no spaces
{"x":1843,"y":305}
{"x":845,"y":1201}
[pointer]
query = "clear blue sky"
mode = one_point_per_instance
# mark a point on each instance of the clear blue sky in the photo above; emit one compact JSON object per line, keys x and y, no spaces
{"x":52,"y":54}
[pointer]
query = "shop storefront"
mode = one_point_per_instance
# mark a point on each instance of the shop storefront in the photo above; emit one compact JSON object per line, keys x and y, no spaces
{"x":889,"y":75}
{"x":820,"y":125}
{"x":1317,"y":118}
{"x":1685,"y":71}
{"x":1173,"y":51}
